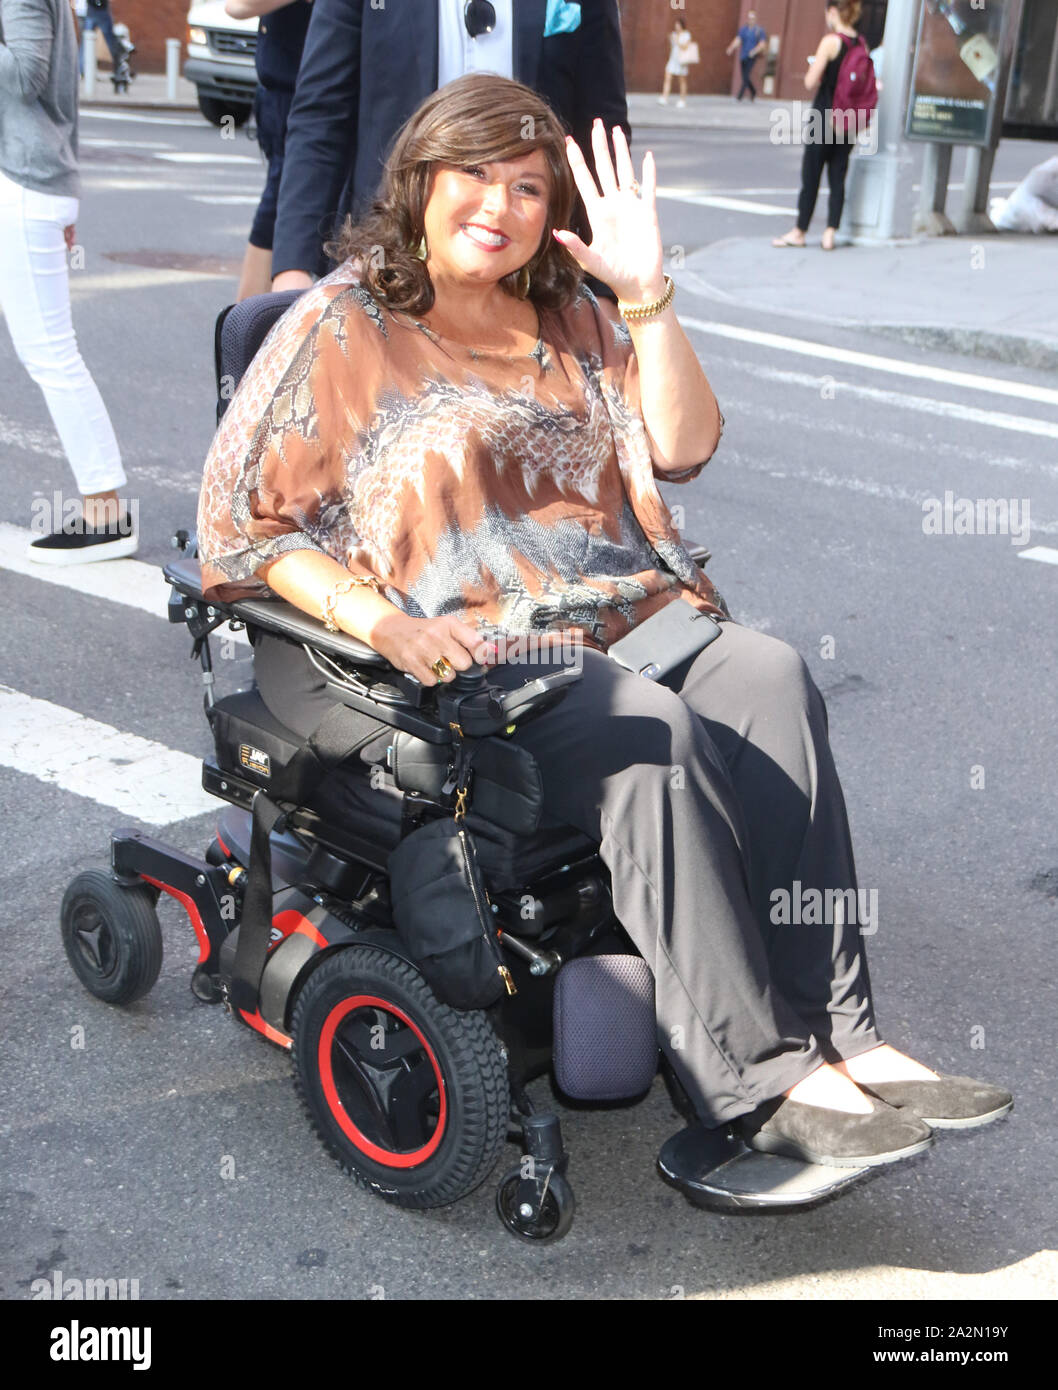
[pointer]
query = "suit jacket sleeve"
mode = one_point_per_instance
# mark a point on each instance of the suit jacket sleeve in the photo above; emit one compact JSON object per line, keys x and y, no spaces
{"x":321,"y":135}
{"x":601,"y":76}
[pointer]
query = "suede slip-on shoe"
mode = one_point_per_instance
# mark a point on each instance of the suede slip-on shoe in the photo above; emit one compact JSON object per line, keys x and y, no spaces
{"x":949,"y":1102}
{"x":835,"y":1138}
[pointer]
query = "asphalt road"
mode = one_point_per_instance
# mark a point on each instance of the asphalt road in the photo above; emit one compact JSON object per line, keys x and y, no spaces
{"x":939,"y":676}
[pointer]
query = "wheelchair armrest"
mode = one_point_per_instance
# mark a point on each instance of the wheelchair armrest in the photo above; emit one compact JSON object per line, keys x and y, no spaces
{"x":698,"y":553}
{"x":273,"y":615}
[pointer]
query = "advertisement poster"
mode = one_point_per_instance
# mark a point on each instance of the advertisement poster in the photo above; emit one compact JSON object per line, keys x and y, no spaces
{"x":957,"y":67}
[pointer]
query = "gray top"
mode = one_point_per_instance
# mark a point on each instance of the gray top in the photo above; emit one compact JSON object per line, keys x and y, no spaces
{"x":38,"y":96}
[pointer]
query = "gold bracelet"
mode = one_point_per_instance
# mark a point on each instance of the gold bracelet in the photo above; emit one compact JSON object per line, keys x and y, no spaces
{"x":636,"y":313}
{"x":340,"y":588}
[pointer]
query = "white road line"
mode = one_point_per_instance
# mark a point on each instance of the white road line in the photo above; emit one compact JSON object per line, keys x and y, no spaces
{"x":134,"y":775}
{"x":99,"y":142}
{"x":971,"y":381}
{"x":128,"y":581}
{"x":717,"y":200}
{"x":226,"y":199}
{"x":886,"y":492}
{"x":104,"y":184}
{"x":672,"y":192}
{"x":32,"y":441}
{"x":139,"y":280}
{"x":1022,"y":424}
{"x":194,"y":157}
{"x":1045,"y":553}
{"x":137,"y":118}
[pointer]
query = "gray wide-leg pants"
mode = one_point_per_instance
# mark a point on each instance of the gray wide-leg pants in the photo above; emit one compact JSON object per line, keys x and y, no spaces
{"x":707,"y":794}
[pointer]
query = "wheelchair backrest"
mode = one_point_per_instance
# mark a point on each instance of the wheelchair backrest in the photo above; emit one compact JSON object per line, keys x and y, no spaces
{"x":240,"y":330}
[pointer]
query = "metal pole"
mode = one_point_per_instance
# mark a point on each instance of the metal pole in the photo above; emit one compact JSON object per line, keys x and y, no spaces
{"x":930,"y":218}
{"x":879,"y":203}
{"x":172,"y":67}
{"x":88,"y":40}
{"x":972,"y":216}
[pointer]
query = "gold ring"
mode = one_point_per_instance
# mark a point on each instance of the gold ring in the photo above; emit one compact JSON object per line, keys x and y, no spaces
{"x":634,"y":186}
{"x":441,"y":667}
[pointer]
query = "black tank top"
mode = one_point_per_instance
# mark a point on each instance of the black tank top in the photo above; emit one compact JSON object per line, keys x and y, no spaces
{"x":825,"y":92}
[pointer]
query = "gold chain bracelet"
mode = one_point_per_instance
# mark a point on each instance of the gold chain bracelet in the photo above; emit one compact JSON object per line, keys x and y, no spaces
{"x":636,"y":313}
{"x":343,"y":587}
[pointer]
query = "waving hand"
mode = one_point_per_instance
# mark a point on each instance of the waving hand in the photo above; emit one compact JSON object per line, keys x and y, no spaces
{"x":625,"y":251}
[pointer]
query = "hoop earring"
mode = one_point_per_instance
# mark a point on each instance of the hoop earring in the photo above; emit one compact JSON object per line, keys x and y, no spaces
{"x":524,"y":281}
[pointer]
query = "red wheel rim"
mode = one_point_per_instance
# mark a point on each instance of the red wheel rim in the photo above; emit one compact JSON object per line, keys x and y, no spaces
{"x":380,"y":1085}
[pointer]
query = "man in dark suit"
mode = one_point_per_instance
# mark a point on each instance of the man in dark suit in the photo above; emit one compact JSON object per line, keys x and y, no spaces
{"x":366,"y":68}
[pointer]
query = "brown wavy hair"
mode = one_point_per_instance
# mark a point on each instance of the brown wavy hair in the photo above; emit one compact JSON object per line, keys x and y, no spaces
{"x":849,"y":11}
{"x":473,"y":120}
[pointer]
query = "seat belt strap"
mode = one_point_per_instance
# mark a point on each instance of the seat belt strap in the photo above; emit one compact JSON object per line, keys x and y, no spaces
{"x":341,"y":732}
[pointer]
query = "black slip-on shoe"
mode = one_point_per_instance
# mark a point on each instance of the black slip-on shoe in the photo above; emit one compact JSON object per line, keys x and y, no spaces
{"x":949,"y":1102}
{"x":835,"y":1138}
{"x":79,"y":545}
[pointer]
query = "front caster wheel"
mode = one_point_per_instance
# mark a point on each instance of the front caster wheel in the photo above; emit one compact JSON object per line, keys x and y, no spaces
{"x":111,"y":937}
{"x":550,"y":1222}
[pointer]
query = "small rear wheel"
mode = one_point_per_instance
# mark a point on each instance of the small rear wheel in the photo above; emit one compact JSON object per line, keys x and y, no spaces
{"x":112,"y":937}
{"x":409,"y":1096}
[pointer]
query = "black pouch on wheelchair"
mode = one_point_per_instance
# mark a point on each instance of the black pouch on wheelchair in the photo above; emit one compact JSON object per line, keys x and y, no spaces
{"x":442,"y":915}
{"x":507,"y":786}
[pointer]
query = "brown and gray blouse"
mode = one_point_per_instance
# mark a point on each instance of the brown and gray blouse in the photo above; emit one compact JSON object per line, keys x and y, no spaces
{"x":517,"y":493}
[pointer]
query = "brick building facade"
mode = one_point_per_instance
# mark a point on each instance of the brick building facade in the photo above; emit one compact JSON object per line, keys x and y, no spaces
{"x":645,"y":27}
{"x":150,"y":23}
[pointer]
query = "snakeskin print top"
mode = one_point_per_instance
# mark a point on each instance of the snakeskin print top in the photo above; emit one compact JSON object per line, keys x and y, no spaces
{"x":515,"y":492}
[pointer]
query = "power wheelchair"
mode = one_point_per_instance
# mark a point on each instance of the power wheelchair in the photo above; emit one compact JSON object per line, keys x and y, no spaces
{"x":413,"y":1098}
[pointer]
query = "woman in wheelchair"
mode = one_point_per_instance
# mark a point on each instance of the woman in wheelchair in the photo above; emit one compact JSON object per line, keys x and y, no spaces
{"x":450,"y":442}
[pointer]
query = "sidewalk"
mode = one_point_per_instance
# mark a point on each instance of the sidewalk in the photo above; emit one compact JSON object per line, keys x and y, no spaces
{"x":991,"y":296}
{"x":147,"y":90}
{"x":703,"y":113}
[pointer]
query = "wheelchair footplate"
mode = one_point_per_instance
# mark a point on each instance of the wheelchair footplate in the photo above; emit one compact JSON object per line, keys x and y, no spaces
{"x":716,"y":1170}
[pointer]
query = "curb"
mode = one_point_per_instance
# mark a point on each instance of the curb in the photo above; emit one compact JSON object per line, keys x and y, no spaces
{"x":1036,"y":354}
{"x":1032,"y":353}
{"x":94,"y":104}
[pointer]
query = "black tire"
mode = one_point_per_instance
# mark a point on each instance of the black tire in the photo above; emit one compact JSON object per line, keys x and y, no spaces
{"x":112,"y":937}
{"x":556,"y":1214}
{"x":216,"y":109}
{"x":431,"y":1129}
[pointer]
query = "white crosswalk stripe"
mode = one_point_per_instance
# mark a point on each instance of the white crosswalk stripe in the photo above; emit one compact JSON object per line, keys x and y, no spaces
{"x":134,"y":775}
{"x":128,"y":581}
{"x":1045,"y":553}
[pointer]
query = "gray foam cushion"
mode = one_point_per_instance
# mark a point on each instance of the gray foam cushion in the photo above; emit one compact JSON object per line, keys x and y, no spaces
{"x":606,"y":1044}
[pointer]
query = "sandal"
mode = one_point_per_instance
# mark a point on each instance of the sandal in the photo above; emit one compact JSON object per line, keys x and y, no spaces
{"x":788,"y":240}
{"x":825,"y":244}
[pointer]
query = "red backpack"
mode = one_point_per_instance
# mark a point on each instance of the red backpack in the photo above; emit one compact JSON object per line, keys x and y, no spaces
{"x":856,"y":90}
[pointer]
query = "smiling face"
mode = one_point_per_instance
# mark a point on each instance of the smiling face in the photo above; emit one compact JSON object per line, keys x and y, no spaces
{"x":483,"y":221}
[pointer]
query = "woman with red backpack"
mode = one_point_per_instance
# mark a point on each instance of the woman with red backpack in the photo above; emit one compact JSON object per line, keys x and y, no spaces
{"x":840,"y":65}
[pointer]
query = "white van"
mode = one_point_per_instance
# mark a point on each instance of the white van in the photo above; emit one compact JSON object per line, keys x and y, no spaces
{"x":220,"y":61}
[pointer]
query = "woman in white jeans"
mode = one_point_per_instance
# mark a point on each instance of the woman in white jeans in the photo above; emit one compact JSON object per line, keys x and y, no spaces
{"x":39,"y":188}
